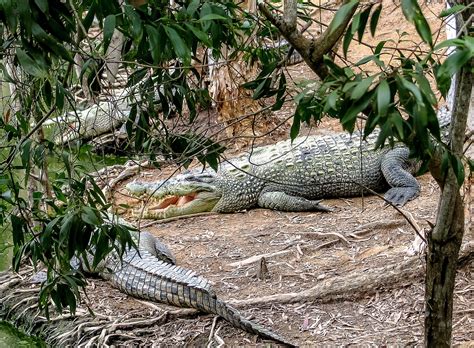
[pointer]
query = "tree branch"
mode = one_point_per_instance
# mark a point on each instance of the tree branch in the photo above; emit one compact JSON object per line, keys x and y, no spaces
{"x":312,"y":50}
{"x":289,"y":16}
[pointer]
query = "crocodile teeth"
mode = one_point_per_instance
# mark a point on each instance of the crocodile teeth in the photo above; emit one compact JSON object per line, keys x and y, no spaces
{"x":184,"y":200}
{"x":174,"y":201}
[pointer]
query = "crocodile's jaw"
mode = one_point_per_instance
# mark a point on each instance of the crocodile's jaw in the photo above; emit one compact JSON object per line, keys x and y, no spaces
{"x":175,"y":206}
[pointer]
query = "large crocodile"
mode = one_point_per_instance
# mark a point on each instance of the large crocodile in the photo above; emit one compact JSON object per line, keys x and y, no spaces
{"x":290,"y":176}
{"x":149,"y":272}
{"x":97,"y":119}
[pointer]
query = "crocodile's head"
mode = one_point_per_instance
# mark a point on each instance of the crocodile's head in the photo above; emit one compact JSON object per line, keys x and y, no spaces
{"x":185,"y":194}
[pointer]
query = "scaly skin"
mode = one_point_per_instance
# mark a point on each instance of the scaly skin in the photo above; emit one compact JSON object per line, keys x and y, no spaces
{"x":290,"y":177}
{"x":96,"y":120}
{"x":150,"y":274}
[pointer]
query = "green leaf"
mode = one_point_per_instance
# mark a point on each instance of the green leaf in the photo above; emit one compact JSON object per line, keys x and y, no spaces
{"x":42,"y":5}
{"x":156,"y":46}
{"x":18,"y":226}
{"x":29,"y":65}
{"x":109,"y":27}
{"x":67,"y":225}
{"x":89,"y":18}
{"x":26,"y":152}
{"x":364,"y":17}
{"x":425,"y":88}
{"x":211,"y":17}
{"x":423,"y":28}
{"x":458,"y":168}
{"x":48,"y":40}
{"x":136,"y":77}
{"x":450,"y":67}
{"x":452,"y":10}
{"x":413,"y":14}
{"x":364,"y":60}
{"x":47,"y":93}
{"x":349,"y":117}
{"x":397,"y":121}
{"x":60,"y":92}
{"x":180,"y":47}
{"x":347,"y":41}
{"x":202,"y":36}
{"x":375,"y":19}
{"x":280,"y":97}
{"x":379,"y":47}
{"x":136,"y":25}
{"x":361,"y":88}
{"x":413,"y":89}
{"x":90,"y":216}
{"x":192,"y":7}
{"x":69,"y":296}
{"x":295,"y":127}
{"x":342,"y":14}
{"x":206,"y":9}
{"x":383,"y":97}
{"x":449,"y":43}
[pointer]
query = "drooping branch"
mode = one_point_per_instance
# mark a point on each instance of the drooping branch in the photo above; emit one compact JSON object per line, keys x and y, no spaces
{"x":312,"y":50}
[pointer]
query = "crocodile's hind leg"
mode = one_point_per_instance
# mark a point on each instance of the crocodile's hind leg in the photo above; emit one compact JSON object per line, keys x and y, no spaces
{"x":397,"y":169}
{"x":155,"y":247}
{"x":278,"y":200}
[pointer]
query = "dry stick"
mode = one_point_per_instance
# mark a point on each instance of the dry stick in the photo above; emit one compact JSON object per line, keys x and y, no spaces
{"x":211,"y":333}
{"x":363,"y":230}
{"x":351,"y":285}
{"x":218,"y":338}
{"x":325,"y":234}
{"x":126,"y":173}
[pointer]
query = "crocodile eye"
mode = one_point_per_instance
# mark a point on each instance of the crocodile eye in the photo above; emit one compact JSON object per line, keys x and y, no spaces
{"x":205,"y":178}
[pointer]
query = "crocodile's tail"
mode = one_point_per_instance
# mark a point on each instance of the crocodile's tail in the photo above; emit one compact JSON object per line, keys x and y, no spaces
{"x":234,"y":317}
{"x":144,"y":276}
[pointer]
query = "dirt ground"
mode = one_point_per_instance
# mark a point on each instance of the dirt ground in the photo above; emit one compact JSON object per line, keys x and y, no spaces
{"x":303,"y":250}
{"x":307,"y":252}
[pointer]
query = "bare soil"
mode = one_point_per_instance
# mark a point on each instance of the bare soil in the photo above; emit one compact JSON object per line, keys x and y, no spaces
{"x":303,"y":250}
{"x":359,"y":236}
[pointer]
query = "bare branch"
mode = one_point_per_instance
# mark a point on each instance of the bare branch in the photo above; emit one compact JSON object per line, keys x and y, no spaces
{"x":312,"y":50}
{"x":289,"y":15}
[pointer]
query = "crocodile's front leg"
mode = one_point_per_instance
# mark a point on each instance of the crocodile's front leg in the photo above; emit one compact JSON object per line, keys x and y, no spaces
{"x":278,"y":200}
{"x":397,"y":169}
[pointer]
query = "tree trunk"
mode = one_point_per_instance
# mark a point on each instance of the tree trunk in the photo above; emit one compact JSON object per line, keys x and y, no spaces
{"x":445,"y":240}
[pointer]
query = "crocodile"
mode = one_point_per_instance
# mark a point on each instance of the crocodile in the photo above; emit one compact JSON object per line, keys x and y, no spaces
{"x":149,"y":272}
{"x":290,"y":176}
{"x":93,"y":121}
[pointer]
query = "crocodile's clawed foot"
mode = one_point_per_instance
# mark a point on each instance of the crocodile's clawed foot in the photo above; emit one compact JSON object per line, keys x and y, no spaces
{"x":399,"y":196}
{"x":324,"y":208}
